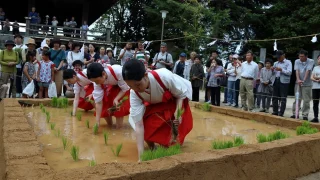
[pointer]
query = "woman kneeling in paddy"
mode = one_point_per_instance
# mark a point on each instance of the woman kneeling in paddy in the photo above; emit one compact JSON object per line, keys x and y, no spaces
{"x":155,"y":98}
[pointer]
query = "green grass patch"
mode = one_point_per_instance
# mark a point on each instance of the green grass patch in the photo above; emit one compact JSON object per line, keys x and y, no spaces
{"x":237,"y":141}
{"x":117,"y":151}
{"x":44,"y":110}
{"x":52,"y":126}
{"x":105,"y":137}
{"x":88,"y":123}
{"x":41,"y":106}
{"x":271,"y":137}
{"x":206,"y":107}
{"x":65,"y":142}
{"x":95,"y":129}
{"x":74,"y":151}
{"x":54,"y":102}
{"x":160,"y":152}
{"x":92,"y":163}
{"x":79,"y":116}
{"x":48,"y":117}
{"x":305,"y":128}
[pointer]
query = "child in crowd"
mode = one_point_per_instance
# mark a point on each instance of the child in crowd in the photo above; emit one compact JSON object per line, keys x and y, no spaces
{"x":45,"y":74}
{"x":265,"y":87}
{"x":155,"y":98}
{"x":196,"y":76}
{"x":83,"y":87}
{"x":109,"y":90}
{"x":216,"y":72}
{"x":29,"y":71}
{"x":257,"y":97}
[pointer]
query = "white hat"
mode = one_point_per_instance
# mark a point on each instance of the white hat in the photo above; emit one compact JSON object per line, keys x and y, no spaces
{"x":236,"y":56}
{"x":109,"y":49}
{"x":45,"y":46}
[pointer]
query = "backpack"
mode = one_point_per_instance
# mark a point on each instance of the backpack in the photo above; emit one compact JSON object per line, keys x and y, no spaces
{"x":168,"y":67}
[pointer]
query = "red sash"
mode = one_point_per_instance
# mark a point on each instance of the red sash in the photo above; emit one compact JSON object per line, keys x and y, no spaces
{"x":83,"y":104}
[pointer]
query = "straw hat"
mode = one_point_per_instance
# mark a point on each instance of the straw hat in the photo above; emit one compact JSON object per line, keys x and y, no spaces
{"x":31,"y":41}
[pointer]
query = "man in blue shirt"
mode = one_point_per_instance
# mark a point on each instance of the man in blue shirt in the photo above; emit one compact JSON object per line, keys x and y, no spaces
{"x":34,"y":20}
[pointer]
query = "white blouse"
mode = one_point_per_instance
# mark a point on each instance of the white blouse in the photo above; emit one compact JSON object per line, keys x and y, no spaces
{"x":178,"y":86}
{"x":98,"y":91}
{"x":79,"y":86}
{"x":72,"y":56}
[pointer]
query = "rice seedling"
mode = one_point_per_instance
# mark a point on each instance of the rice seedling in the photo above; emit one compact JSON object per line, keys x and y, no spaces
{"x":65,"y":102}
{"x":95,"y":129}
{"x":41,"y":106}
{"x":175,"y":127}
{"x":160,"y":152}
{"x":52,"y":126}
{"x":74,"y":153}
{"x":206,"y":107}
{"x":65,"y":142}
{"x":115,"y":108}
{"x":105,"y":137}
{"x":222,"y":144}
{"x":92,"y":163}
{"x":57,"y":133}
{"x":71,"y":113}
{"x":59,"y":103}
{"x":48,"y":117}
{"x":271,"y":137}
{"x":118,"y":150}
{"x":88,"y":123}
{"x":79,"y":116}
{"x":54,"y":102}
{"x":305,"y":128}
{"x":237,"y":141}
{"x":44,"y":110}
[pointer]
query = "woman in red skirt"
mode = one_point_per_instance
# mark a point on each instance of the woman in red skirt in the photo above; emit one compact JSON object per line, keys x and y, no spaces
{"x":155,"y":98}
{"x":82,"y":89}
{"x":109,"y":91}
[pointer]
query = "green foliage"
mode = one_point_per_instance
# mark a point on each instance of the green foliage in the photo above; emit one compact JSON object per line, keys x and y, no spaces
{"x":237,"y":141}
{"x":305,"y":128}
{"x":95,"y":129}
{"x":75,"y":153}
{"x":160,"y":152}
{"x":65,"y":142}
{"x":206,"y":107}
{"x":105,"y":137}
{"x":271,"y":137}
{"x":88,"y":123}
{"x":79,"y":116}
{"x":52,"y":126}
{"x":118,"y":150}
{"x":92,"y":163}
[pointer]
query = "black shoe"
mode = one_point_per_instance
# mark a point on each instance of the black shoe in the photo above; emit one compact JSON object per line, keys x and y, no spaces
{"x":224,"y":102}
{"x":276,"y":114}
{"x":305,"y":118}
{"x":0,"y":99}
{"x":315,"y":120}
{"x":293,"y":117}
{"x":281,"y":115}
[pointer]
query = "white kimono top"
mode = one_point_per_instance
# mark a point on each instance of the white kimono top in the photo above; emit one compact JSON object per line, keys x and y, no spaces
{"x":179,"y":87}
{"x":79,"y":86}
{"x":98,"y":91}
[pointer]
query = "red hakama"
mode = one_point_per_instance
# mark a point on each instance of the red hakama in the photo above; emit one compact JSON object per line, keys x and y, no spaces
{"x":110,"y":92}
{"x":158,"y":118}
{"x":83,"y":104}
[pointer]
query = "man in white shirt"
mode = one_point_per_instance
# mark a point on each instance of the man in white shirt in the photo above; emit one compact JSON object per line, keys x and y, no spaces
{"x":54,"y":24}
{"x":163,"y":59}
{"x":249,"y":72}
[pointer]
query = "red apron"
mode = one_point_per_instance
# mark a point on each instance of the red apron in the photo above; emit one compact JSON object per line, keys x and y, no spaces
{"x":158,"y":118}
{"x":83,"y":104}
{"x":110,"y":92}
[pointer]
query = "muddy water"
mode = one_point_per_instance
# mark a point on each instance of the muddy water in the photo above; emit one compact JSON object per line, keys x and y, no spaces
{"x":207,"y":127}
